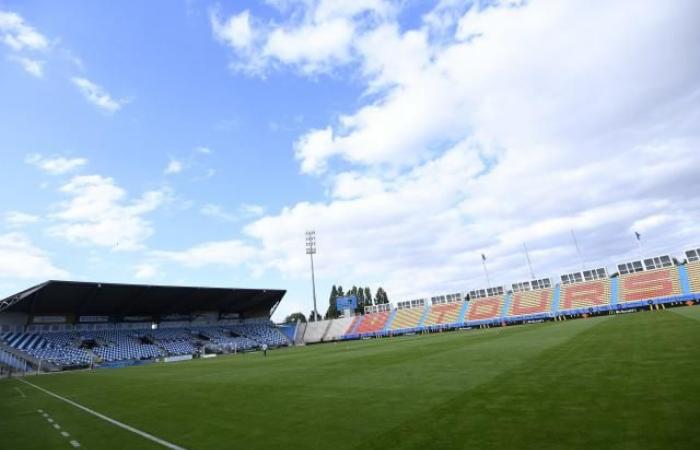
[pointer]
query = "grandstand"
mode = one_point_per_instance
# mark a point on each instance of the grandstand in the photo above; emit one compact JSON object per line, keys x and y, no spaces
{"x":64,"y":325}
{"x":645,"y":283}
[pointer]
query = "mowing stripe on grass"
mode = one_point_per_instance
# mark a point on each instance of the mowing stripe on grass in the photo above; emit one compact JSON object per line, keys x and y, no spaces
{"x":143,"y":434}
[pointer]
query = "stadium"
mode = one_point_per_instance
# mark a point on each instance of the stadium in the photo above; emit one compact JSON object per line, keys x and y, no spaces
{"x":180,"y":367}
{"x":505,"y":195}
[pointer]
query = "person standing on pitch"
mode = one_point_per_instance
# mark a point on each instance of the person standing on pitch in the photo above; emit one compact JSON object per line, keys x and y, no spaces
{"x":264,"y":349}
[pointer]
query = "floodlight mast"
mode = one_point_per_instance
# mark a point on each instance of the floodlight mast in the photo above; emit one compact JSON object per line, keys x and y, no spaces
{"x":311,"y":251}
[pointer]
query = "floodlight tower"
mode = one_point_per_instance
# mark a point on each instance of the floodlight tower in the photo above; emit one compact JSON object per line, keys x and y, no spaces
{"x":311,"y":251}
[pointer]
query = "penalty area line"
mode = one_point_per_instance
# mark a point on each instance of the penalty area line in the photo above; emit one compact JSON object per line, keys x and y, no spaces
{"x":143,"y":434}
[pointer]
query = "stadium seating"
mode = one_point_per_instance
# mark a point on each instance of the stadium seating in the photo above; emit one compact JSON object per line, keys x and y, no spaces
{"x":531,"y":302}
{"x":694,"y":276}
{"x":589,"y":294}
{"x":649,"y":285}
{"x":487,"y":308}
{"x":352,"y":328}
{"x":373,"y":323}
{"x":315,"y":331}
{"x":11,"y":361}
{"x":443,"y":314}
{"x":84,"y":347}
{"x":407,"y":318}
{"x":337,"y":328}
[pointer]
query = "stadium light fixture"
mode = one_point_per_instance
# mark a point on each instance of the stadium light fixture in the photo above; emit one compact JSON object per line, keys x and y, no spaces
{"x":311,"y":251}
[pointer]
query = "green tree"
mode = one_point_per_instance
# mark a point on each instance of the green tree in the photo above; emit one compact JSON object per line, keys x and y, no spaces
{"x":361,"y":297}
{"x":340,"y":291}
{"x":332,"y":311}
{"x":368,"y":295}
{"x":292,"y":318}
{"x":381,"y":297}
{"x":311,"y":317}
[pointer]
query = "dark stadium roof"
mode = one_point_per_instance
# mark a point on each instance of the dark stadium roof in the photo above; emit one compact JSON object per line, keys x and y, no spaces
{"x":112,"y":299}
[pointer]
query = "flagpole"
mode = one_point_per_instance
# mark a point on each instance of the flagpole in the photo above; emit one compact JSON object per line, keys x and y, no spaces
{"x":578,"y":250}
{"x":486,"y":272}
{"x":529,"y":263}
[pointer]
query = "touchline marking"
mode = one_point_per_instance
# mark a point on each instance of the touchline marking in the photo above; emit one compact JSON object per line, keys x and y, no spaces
{"x":143,"y":434}
{"x":64,"y":434}
{"x":20,"y":392}
{"x":75,"y":444}
{"x":57,"y":426}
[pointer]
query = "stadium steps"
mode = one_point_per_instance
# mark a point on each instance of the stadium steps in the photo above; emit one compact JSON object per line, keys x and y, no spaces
{"x":693,"y":269}
{"x":390,"y":320}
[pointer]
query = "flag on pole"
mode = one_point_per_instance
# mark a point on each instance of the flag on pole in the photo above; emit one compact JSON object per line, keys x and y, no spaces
{"x":639,"y":236}
{"x":483,"y":257}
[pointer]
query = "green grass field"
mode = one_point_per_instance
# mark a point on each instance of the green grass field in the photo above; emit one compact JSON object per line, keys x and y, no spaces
{"x":629,"y":381}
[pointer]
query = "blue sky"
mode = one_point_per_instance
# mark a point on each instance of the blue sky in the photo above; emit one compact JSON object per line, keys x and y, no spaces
{"x":194,"y":142}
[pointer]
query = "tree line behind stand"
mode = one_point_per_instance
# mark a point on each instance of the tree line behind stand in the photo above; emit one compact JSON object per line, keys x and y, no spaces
{"x":364,"y":298}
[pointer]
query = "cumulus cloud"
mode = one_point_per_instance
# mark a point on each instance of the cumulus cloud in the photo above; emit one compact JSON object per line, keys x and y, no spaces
{"x":97,"y":95}
{"x":19,"y":218}
{"x":32,"y":66}
{"x":173,"y":167}
{"x":57,"y":165}
{"x":145,"y":271}
{"x":18,"y":35}
{"x":492,"y":125}
{"x":99,"y":213}
{"x":20,"y":258}
{"x":317,"y":36}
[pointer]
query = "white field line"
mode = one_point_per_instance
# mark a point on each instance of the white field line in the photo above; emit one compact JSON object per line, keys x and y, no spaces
{"x":65,"y":434}
{"x":20,"y":392}
{"x":75,"y":444}
{"x":143,"y":434}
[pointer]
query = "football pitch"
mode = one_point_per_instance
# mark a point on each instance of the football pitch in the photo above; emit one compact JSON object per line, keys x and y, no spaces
{"x":622,"y":382}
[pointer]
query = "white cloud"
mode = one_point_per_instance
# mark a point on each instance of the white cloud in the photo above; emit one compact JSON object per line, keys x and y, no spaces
{"x":173,"y":167}
{"x":145,"y":271}
{"x":19,"y":218}
{"x":20,"y":258}
{"x":518,"y":124}
{"x":33,"y":67}
{"x":58,"y":165}
{"x":96,"y":95}
{"x":16,"y":34}
{"x":245,"y":211}
{"x":99,"y":213}
{"x":315,"y":37}
{"x":217,"y":211}
{"x":230,"y":253}
{"x":203,"y":150}
{"x":250,"y":210}
{"x":236,"y":31}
